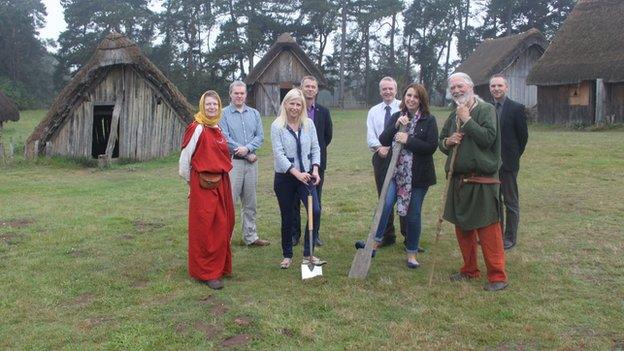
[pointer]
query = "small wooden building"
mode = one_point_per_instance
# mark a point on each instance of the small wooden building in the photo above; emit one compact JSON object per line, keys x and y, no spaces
{"x":8,"y":110}
{"x":280,"y":70}
{"x":580,"y":78}
{"x":511,"y":56}
{"x":118,"y":104}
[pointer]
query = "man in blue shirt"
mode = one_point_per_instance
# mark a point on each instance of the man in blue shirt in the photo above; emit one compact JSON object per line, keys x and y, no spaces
{"x":242,"y":127}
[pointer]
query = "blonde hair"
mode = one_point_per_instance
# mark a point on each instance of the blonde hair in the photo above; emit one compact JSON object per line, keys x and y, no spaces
{"x":282,"y":117}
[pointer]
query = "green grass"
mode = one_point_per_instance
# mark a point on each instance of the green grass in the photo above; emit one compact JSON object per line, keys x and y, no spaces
{"x":96,"y":259}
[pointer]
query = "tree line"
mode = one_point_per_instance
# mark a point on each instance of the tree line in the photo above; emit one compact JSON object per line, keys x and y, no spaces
{"x":208,"y":43}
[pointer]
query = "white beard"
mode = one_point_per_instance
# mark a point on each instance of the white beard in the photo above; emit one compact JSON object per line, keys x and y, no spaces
{"x":463,"y":99}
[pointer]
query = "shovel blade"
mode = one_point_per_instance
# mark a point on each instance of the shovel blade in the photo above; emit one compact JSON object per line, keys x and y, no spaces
{"x":308,"y":272}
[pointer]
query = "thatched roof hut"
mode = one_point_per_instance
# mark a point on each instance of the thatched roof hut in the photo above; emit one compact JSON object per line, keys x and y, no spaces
{"x":512,"y":56}
{"x":580,"y":77}
{"x":8,"y":109}
{"x":118,"y":104}
{"x":279,"y":70}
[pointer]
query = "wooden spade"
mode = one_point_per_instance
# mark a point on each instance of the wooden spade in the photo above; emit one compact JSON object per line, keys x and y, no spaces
{"x":362,"y":260}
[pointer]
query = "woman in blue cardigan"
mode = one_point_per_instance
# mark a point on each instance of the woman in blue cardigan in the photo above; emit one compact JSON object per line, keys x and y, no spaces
{"x":415,"y":170}
{"x":297,"y":157}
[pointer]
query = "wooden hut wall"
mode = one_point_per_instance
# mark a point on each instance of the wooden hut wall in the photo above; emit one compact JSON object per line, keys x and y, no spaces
{"x":517,"y":73}
{"x":285,"y":69}
{"x":483,"y":91}
{"x":556,"y":105}
{"x":148,"y":126}
{"x":614,"y":102}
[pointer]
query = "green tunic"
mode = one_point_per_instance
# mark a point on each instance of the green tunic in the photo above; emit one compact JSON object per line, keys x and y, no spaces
{"x":472,"y":206}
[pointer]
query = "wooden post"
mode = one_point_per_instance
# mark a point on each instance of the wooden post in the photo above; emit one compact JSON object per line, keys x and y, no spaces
{"x":600,"y":97}
{"x":102,"y":161}
{"x":362,"y":260}
{"x":11,"y":149}
{"x":36,"y":150}
{"x":2,"y":153}
{"x":48,"y":149}
{"x":112,"y":136}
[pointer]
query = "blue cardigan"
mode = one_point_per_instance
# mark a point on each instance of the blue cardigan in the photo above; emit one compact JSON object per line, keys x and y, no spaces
{"x":285,"y":147}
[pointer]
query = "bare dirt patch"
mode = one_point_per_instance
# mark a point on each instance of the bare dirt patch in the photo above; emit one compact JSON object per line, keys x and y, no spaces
{"x":17,"y":223}
{"x":141,"y":283}
{"x":10,"y":238}
{"x":242,"y":321}
{"x":288,"y":332}
{"x":219,"y":309}
{"x":127,"y":237}
{"x":210,"y":331}
{"x":237,"y":340}
{"x":180,"y":328}
{"x":146,"y":226}
{"x":208,"y":300}
{"x":83,"y":300}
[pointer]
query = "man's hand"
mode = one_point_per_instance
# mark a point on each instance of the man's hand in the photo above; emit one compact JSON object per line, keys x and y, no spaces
{"x":454,"y":139}
{"x":463,"y":112}
{"x":383,"y":151}
{"x":241,"y":151}
{"x":316,"y":176}
{"x":251,"y":158}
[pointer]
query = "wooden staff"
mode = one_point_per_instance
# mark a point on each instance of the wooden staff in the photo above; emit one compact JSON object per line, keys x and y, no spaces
{"x":449,"y":177}
{"x":362,"y":260}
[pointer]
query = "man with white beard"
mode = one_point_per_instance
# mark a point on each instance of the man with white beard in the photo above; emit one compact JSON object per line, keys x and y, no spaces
{"x":472,"y":200}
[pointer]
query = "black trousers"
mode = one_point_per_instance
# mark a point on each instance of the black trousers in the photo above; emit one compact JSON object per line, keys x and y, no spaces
{"x":296,"y":228}
{"x":509,"y":190}
{"x":289,"y":191}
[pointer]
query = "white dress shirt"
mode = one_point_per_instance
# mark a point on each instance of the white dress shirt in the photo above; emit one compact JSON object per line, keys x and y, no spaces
{"x":375,"y":122}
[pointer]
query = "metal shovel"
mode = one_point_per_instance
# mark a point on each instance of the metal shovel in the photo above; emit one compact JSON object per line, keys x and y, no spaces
{"x":310,"y":270}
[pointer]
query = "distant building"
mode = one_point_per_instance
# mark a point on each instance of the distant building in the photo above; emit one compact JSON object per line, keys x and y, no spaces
{"x":511,"y":56}
{"x":118,"y":93}
{"x":580,"y":78}
{"x":280,"y":70}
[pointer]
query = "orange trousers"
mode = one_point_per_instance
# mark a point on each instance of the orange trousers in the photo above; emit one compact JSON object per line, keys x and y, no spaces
{"x":491,"y":241}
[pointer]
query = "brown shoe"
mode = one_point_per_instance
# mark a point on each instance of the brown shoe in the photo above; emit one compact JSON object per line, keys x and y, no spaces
{"x":496,"y":286}
{"x":260,"y":242}
{"x":215,"y":284}
{"x":460,"y":277}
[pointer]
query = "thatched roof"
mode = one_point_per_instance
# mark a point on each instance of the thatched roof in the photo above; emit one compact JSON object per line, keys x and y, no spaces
{"x":492,"y":56}
{"x":8,"y":110}
{"x":116,"y":49}
{"x":285,"y":42}
{"x":588,"y":46}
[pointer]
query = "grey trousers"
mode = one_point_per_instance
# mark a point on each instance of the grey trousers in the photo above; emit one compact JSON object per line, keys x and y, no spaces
{"x":244,"y":179}
{"x":509,"y":189}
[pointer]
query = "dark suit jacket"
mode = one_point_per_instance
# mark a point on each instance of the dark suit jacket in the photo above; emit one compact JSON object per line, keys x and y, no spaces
{"x":323,"y":125}
{"x":514,"y":134}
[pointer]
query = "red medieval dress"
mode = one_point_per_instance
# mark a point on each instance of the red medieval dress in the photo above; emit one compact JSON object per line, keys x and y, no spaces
{"x":211,"y":211}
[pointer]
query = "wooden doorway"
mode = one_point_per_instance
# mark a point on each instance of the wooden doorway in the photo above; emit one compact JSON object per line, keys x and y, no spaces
{"x":102,"y":119}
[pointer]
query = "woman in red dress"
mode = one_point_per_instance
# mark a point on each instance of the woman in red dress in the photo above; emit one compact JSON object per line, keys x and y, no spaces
{"x":204,"y":164}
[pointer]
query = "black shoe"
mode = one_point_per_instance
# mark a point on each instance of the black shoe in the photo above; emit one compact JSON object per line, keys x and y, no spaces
{"x":360,"y":244}
{"x":215,"y":284}
{"x":318,"y":242}
{"x":508,"y":245}
{"x":421,"y":250}
{"x":496,"y":286}
{"x":388,"y":241}
{"x":295,"y":240}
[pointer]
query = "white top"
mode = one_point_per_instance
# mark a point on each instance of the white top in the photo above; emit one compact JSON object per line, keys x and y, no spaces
{"x":184,"y":165}
{"x":375,"y":122}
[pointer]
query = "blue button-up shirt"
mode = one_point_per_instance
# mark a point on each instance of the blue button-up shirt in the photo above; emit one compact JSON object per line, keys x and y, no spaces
{"x":242,"y":128}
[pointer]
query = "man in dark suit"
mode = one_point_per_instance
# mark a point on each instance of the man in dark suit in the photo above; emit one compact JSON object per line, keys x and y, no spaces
{"x":323,"y":124}
{"x":514,"y":136}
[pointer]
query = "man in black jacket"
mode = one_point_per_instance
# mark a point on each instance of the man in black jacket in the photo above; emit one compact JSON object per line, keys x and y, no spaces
{"x":323,"y":124}
{"x":514,"y":136}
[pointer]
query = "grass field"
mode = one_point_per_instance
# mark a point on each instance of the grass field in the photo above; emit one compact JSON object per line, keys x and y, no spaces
{"x":96,"y":259}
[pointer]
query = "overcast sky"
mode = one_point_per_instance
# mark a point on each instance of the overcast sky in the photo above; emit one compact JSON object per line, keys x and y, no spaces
{"x":55,"y":22}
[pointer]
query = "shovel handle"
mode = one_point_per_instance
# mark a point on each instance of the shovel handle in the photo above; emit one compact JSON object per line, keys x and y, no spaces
{"x":310,"y":213}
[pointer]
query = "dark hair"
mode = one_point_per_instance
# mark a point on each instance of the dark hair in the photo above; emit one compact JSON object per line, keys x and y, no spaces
{"x":498,"y":76}
{"x":423,"y":98}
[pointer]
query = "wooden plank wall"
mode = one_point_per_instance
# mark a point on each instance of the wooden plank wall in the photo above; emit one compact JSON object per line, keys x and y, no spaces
{"x":286,"y":68}
{"x":614,"y":106}
{"x":517,"y":73}
{"x":553,"y":106}
{"x":147,"y":129}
